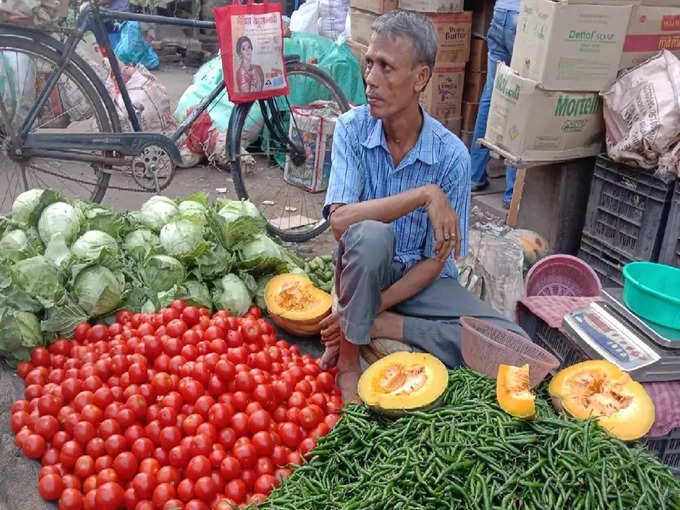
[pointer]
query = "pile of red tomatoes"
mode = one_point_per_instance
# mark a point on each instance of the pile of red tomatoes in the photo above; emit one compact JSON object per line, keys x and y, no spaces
{"x":172,"y":410}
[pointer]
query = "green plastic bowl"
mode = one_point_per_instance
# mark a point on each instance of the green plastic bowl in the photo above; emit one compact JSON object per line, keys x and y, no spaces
{"x":652,"y":291}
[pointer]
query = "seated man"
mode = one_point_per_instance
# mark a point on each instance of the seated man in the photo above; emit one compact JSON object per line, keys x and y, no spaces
{"x":398,"y":202}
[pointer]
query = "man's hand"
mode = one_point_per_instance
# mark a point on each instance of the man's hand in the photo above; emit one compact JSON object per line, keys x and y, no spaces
{"x":330,"y":329}
{"x":444,"y":221}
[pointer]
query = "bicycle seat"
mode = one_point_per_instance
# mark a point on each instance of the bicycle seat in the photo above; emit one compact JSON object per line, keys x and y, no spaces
{"x":291,"y":58}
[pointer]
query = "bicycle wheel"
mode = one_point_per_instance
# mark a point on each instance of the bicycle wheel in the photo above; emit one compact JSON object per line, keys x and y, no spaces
{"x":27,"y":57}
{"x":292,"y":213}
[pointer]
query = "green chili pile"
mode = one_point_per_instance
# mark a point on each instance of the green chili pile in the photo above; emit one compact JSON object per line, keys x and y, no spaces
{"x":468,"y":453}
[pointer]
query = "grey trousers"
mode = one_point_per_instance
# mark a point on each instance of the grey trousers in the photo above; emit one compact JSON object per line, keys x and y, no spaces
{"x":365,"y":266}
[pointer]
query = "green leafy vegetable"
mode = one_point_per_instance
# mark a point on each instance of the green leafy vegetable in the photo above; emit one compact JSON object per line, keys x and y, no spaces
{"x":142,"y":243}
{"x":98,"y":290}
{"x":230,"y":293}
{"x":196,"y":293}
{"x":19,"y":334}
{"x":95,"y":244}
{"x":61,"y":218}
{"x":38,"y":277}
{"x":157,"y":211}
{"x":183,"y":239}
{"x":162,"y":272}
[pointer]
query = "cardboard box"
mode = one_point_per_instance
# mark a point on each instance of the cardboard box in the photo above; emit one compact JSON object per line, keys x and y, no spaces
{"x":432,"y":5}
{"x":453,"y":124}
{"x":540,"y":125}
{"x":566,"y":46}
{"x":651,"y":29}
{"x":469,"y":115}
{"x":377,"y":6}
{"x":474,"y":84}
{"x":479,"y":54}
{"x":453,"y":37}
{"x":361,"y":22}
{"x":443,"y":96}
{"x":359,"y":51}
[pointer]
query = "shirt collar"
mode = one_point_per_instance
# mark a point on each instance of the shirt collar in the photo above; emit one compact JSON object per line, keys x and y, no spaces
{"x":422,"y":150}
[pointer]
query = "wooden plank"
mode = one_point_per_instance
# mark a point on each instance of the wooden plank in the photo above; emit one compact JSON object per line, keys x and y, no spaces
{"x":517,"y":192}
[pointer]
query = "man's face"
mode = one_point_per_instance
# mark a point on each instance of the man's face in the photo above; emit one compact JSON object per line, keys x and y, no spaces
{"x":393,"y":80}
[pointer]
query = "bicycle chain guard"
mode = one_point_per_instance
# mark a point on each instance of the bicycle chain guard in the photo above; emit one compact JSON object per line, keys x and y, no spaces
{"x":153,"y":169}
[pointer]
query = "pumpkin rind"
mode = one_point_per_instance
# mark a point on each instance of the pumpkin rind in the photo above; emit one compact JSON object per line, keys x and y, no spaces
{"x":599,"y":389}
{"x":513,"y":391}
{"x":295,"y":304}
{"x":403,"y":382}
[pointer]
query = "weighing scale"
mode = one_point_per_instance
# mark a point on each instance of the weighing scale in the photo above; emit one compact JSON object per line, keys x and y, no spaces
{"x":608,"y":329}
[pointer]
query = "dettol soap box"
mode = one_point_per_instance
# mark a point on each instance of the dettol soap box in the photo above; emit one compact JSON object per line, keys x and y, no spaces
{"x":570,"y":46}
{"x":535,"y":124}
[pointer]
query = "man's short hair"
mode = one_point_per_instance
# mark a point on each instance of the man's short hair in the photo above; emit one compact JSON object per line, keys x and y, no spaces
{"x":413,"y":25}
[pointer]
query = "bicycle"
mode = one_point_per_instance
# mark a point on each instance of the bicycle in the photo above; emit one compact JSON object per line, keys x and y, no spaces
{"x":48,"y":146}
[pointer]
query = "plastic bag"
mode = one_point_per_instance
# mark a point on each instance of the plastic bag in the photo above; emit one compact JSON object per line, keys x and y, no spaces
{"x":305,"y":18}
{"x":37,"y":12}
{"x":18,"y":74}
{"x":148,"y":96}
{"x":132,"y":49}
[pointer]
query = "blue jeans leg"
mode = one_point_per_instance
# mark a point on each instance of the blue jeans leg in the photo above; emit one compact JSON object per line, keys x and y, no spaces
{"x":501,"y":39}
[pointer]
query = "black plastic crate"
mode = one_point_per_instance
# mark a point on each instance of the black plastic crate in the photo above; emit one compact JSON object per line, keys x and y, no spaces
{"x":667,"y":449}
{"x":605,"y":260}
{"x":551,"y":339}
{"x":628,"y":208}
{"x":670,"y":247}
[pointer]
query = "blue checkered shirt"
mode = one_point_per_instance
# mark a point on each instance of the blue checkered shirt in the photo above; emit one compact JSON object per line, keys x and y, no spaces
{"x":362,"y":169}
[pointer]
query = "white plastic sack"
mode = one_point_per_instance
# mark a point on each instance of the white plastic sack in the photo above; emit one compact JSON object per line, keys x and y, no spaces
{"x":332,"y":17}
{"x":17,"y":84}
{"x":305,"y":18}
{"x":642,"y":115}
{"x":38,"y":12}
{"x":148,"y":96}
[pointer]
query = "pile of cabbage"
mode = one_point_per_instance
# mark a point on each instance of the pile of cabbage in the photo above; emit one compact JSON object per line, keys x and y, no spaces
{"x":66,"y":261}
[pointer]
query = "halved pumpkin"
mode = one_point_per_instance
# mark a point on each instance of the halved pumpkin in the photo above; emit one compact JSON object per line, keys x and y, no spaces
{"x":402,"y":382}
{"x":598,"y":388}
{"x":295,"y":304}
{"x":513,"y":391}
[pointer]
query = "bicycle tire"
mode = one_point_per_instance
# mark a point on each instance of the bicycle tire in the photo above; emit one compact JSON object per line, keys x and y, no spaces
{"x":36,"y":43}
{"x":237,"y":124}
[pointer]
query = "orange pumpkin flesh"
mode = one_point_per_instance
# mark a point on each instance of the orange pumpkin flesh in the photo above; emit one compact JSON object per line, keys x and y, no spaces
{"x":513,"y":391}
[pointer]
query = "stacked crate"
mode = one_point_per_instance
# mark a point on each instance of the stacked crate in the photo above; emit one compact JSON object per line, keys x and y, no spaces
{"x":443,"y":96}
{"x":625,"y":220}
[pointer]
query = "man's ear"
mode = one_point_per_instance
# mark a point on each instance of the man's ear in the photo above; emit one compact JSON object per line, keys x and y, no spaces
{"x":422,"y":78}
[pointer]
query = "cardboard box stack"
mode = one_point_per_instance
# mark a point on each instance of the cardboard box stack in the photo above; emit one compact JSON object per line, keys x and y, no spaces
{"x":653,"y":27}
{"x":443,"y":96}
{"x":546,"y":106}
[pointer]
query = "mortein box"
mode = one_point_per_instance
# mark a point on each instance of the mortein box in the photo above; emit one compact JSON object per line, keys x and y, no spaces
{"x":535,"y":124}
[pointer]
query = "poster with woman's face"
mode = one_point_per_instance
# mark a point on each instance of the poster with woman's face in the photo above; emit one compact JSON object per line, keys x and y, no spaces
{"x":257,"y":52}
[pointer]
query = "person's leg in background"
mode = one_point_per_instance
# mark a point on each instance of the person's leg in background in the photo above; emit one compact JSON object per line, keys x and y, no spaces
{"x":497,"y":52}
{"x":509,"y":31}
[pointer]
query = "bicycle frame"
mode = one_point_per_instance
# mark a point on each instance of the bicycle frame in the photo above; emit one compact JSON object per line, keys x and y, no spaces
{"x":51,"y":145}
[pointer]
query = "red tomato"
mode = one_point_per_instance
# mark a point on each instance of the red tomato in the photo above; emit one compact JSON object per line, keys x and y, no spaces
{"x":143,"y":485}
{"x":280,"y":455}
{"x":310,"y":416}
{"x":162,"y":493}
{"x":179,"y":455}
{"x":50,"y":487}
{"x":125,"y":465}
{"x":24,"y":368}
{"x":168,"y":474}
{"x":264,"y":465}
{"x":71,"y":499}
{"x":258,"y":421}
{"x":297,"y":399}
{"x":227,"y":437}
{"x":291,"y":435}
{"x":198,"y":466}
{"x":239,"y":423}
{"x":34,"y":446}
{"x":240,"y":400}
{"x":173,"y":504}
{"x":109,"y":496}
{"x":185,"y":490}
{"x":190,"y":315}
{"x":213,"y":332}
{"x":294,"y":458}
{"x":170,"y":436}
{"x":46,"y":426}
{"x":236,"y":491}
{"x":83,"y":432}
{"x":115,"y":444}
{"x":246,"y":455}
{"x":97,"y":333}
{"x":205,"y":489}
{"x":176,"y":328}
{"x":331,"y":420}
{"x":40,"y":357}
{"x":71,"y":482}
{"x":263,"y":443}
{"x":265,"y":483}
{"x":203,"y":404}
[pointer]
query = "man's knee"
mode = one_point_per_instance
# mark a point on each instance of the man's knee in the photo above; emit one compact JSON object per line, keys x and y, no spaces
{"x":369,"y":236}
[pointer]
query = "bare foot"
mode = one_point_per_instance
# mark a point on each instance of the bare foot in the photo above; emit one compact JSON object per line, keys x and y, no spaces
{"x":347,"y":382}
{"x":388,"y":325}
{"x":330,"y":355}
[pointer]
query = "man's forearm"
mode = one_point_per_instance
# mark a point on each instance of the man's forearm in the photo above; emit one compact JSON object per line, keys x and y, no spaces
{"x":386,"y":209}
{"x":416,"y":279}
